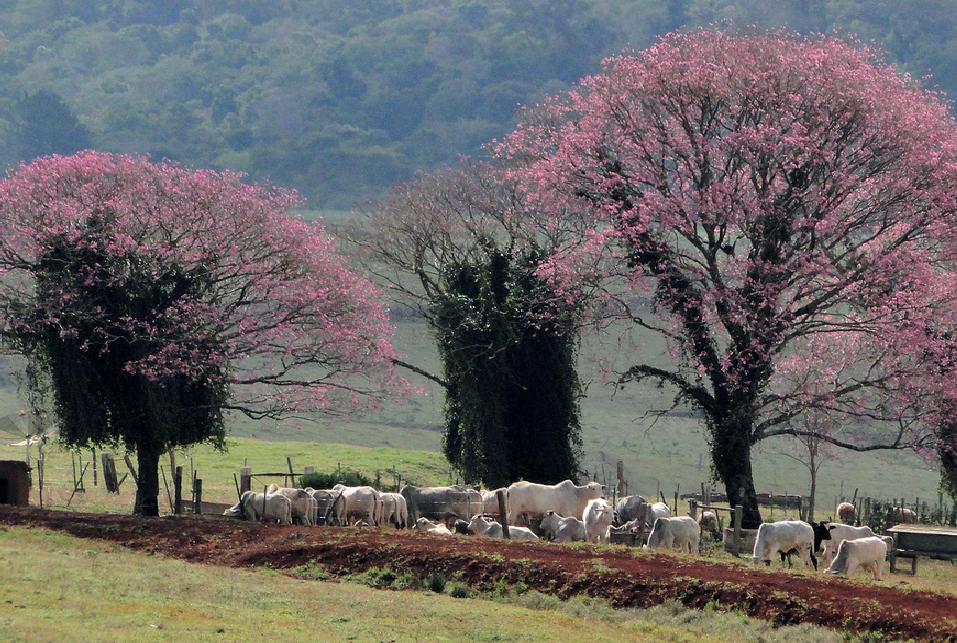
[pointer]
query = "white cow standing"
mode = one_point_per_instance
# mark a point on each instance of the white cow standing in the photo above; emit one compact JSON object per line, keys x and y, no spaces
{"x":597,"y":518}
{"x":783,"y":536}
{"x":532,"y":500}
{"x":268,"y":508}
{"x":394,"y":510}
{"x":680,"y":532}
{"x":839,"y":533}
{"x":362,"y":503}
{"x":305,"y":508}
{"x":868,"y":552}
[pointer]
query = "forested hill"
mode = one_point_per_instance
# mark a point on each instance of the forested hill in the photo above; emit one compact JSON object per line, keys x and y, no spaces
{"x":340,"y":98}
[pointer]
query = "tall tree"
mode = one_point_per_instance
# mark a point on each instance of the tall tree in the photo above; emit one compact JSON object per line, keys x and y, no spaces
{"x":508,"y":346}
{"x":47,"y":125}
{"x":783,"y":211}
{"x":158,"y":298}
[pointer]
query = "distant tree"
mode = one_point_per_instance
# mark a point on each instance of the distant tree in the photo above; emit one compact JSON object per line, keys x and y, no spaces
{"x":46,"y":125}
{"x":508,"y":347}
{"x":156,"y":299}
{"x":782,"y":210}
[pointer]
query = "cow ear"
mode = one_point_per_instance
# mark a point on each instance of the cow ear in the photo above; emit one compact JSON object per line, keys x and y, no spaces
{"x":832,"y":527}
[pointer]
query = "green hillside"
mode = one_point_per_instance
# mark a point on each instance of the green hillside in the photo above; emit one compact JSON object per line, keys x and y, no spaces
{"x":341,"y":98}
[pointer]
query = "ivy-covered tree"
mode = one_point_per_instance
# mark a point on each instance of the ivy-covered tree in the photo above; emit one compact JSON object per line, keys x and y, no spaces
{"x":157,"y":299}
{"x":507,"y":344}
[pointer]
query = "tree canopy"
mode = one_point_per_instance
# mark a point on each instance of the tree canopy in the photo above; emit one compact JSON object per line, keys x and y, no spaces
{"x":157,"y":298}
{"x":782,"y":210}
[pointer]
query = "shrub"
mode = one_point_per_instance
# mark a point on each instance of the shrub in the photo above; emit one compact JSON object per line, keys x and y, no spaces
{"x":436,"y":583}
{"x":328,"y":480}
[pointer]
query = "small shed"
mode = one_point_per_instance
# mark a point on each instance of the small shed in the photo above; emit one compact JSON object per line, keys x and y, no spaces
{"x":14,"y":483}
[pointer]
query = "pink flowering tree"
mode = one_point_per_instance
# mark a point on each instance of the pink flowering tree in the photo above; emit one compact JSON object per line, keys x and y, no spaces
{"x":157,"y":299}
{"x":781,"y":210}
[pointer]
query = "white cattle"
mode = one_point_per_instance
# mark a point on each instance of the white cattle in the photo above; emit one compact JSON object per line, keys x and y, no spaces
{"x":481,"y":526}
{"x":901,"y":515}
{"x":597,"y":517}
{"x":626,"y":509}
{"x":426,"y":525}
{"x":868,"y":552}
{"x":442,"y":503}
{"x":532,"y":500}
{"x":656,"y":511}
{"x":394,"y":510}
{"x":362,"y":503}
{"x":846,"y":513}
{"x":783,"y":536}
{"x":269,"y":508}
{"x":331,"y":505}
{"x":838,"y":534}
{"x":521,"y":534}
{"x":562,"y":529}
{"x":490,"y":501}
{"x":305,"y":508}
{"x":679,"y":532}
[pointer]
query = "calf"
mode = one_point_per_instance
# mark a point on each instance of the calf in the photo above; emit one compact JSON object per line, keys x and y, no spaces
{"x":868,"y":552}
{"x":677,"y":532}
{"x":560,"y":529}
{"x":426,"y":525}
{"x":597,"y":517}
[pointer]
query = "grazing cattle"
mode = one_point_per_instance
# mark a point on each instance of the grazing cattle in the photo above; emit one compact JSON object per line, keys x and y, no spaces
{"x":679,"y":533}
{"x":868,"y":552}
{"x":362,"y":503}
{"x":394,"y":510}
{"x":331,"y":505}
{"x":528,"y":500}
{"x":838,"y":533}
{"x":426,"y":525}
{"x":560,"y":529}
{"x":783,"y":536}
{"x":846,"y":513}
{"x":626,"y":509}
{"x":656,"y":511}
{"x":708,"y":523}
{"x":490,"y":501}
{"x":269,"y":508}
{"x":441,"y":503}
{"x":901,"y":515}
{"x":305,"y":508}
{"x":597,"y":517}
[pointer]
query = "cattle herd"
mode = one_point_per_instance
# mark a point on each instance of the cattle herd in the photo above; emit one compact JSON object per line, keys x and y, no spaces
{"x":563,"y":512}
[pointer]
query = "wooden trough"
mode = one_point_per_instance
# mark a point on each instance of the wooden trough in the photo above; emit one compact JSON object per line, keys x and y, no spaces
{"x":914,"y":541}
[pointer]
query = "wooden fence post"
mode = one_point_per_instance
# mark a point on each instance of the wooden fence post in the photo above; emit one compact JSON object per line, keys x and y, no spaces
{"x":178,"y":491}
{"x":738,"y":519}
{"x":198,"y":496}
{"x":502,"y":513}
{"x":129,"y":465}
{"x":245,"y":480}
{"x":109,"y":473}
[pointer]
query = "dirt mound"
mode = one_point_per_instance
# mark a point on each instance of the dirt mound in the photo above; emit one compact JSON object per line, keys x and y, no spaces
{"x":627,"y":577}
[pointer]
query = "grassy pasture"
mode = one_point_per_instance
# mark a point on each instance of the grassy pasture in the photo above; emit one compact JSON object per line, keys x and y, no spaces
{"x":56,"y":587}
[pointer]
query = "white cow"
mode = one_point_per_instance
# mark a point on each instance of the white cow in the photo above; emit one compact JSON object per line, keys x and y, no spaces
{"x":840,"y":533}
{"x":532,"y":500}
{"x":331,"y":505}
{"x":394,"y":510}
{"x":597,"y":517}
{"x":483,"y":527}
{"x":362,"y":503}
{"x":708,"y":522}
{"x":656,"y":511}
{"x":269,"y":508}
{"x":305,"y":508}
{"x":426,"y":525}
{"x":626,"y":509}
{"x":783,"y":536}
{"x":868,"y":552}
{"x":561,"y":530}
{"x":679,"y":532}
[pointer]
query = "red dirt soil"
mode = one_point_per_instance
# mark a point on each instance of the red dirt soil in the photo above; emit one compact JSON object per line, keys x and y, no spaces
{"x":627,"y":577}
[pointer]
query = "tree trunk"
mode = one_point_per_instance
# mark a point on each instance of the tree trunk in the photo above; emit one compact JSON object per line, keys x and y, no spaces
{"x":147,"y":480}
{"x":731,"y":453}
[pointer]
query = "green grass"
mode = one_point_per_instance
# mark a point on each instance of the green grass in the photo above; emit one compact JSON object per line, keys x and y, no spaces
{"x":58,"y":588}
